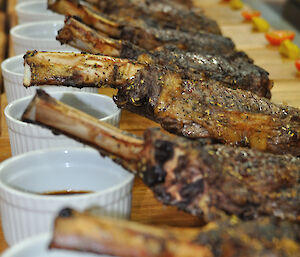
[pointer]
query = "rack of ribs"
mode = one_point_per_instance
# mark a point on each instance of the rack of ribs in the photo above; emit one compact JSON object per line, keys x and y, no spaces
{"x":235,"y":70}
{"x":89,"y":232}
{"x":157,"y":14}
{"x":192,"y":108}
{"x":202,"y":178}
{"x":147,"y":37}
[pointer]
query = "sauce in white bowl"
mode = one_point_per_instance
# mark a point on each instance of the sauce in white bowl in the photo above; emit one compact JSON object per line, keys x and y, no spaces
{"x":26,"y":212}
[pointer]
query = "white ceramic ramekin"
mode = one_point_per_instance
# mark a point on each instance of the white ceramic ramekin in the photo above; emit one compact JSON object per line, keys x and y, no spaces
{"x":13,"y":72}
{"x":25,"y":212}
{"x":39,"y":36}
{"x":26,"y":137}
{"x":33,"y":11}
{"x":37,"y":246}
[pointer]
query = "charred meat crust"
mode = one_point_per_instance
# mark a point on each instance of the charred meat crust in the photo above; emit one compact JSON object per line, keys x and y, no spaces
{"x":163,"y":151}
{"x":212,"y":181}
{"x":217,"y":110}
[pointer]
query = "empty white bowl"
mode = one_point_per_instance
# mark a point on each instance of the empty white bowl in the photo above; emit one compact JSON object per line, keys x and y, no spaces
{"x":33,"y":11}
{"x":13,"y":72}
{"x":37,"y":246}
{"x":39,"y":36}
{"x":26,"y":137}
{"x":23,"y":178}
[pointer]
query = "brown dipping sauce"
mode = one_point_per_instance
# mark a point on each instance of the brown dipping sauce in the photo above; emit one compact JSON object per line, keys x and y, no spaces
{"x":67,"y":192}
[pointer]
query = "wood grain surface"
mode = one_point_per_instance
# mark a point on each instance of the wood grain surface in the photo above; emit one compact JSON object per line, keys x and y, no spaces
{"x":145,"y":208}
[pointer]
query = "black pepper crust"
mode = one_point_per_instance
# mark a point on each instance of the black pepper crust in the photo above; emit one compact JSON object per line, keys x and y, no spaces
{"x":212,"y":181}
{"x":195,"y":108}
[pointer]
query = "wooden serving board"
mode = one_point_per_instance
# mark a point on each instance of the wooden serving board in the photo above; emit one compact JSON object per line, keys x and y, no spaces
{"x":145,"y":208}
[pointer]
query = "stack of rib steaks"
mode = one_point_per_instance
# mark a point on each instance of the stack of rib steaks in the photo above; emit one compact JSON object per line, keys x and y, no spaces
{"x":231,"y":157}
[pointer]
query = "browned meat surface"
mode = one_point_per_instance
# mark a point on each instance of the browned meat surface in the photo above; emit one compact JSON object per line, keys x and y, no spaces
{"x":120,"y":4}
{"x":157,"y":14}
{"x":206,"y":180}
{"x":193,"y":108}
{"x":147,"y":37}
{"x":230,"y":238}
{"x":235,"y":70}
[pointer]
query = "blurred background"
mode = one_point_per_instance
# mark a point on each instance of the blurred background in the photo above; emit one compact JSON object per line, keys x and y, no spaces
{"x":281,"y":14}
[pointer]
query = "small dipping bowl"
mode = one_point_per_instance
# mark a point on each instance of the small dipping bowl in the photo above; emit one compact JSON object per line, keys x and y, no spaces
{"x":26,"y":137}
{"x":13,"y":73}
{"x":26,"y":211}
{"x":40,"y":36}
{"x":34,"y":11}
{"x":37,"y":246}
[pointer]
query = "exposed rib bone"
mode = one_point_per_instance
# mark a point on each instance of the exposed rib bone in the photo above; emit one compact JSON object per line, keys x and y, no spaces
{"x":230,"y":238}
{"x":73,"y":69}
{"x":49,"y":112}
{"x":83,"y":37}
{"x":85,"y":13}
{"x":83,"y":232}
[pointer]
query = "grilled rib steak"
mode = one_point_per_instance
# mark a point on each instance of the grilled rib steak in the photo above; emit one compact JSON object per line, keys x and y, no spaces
{"x":193,"y":108}
{"x":206,"y":180}
{"x":157,"y":14}
{"x":148,"y":37}
{"x":230,"y":238}
{"x":235,"y":70}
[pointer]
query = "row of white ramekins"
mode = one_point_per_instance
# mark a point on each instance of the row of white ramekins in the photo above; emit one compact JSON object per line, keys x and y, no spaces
{"x":43,"y":161}
{"x":40,"y":36}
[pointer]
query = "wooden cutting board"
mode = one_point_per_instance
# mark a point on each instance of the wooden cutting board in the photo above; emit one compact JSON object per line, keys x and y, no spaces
{"x":145,"y":208}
